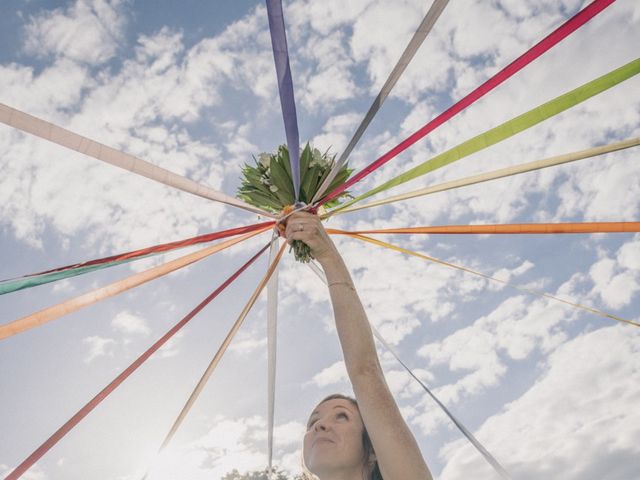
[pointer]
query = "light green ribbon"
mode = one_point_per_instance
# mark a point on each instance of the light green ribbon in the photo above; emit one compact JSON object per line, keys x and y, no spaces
{"x":509,"y":128}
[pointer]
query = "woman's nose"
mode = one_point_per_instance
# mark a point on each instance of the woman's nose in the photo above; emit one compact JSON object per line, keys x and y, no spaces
{"x":320,"y":426}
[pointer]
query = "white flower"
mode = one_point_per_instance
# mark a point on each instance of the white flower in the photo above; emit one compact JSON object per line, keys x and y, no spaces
{"x":273,"y":188}
{"x":317,"y":159}
{"x":265,"y":159}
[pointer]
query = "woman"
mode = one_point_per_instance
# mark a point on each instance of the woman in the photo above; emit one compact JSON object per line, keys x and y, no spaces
{"x":336,"y":445}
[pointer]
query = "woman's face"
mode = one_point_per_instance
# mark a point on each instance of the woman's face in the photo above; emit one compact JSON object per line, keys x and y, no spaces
{"x":333,"y":441}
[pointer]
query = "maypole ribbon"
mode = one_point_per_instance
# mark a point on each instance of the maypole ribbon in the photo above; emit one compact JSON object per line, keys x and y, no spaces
{"x":285,"y":88}
{"x":485,"y":453}
{"x":488,"y":277}
{"x":221,"y":350}
{"x":500,"y":173}
{"x":68,"y":271}
{"x":511,"y":229}
{"x":272,"y":345}
{"x":571,"y":25}
{"x":105,"y":392}
{"x":51,"y":313}
{"x":429,"y":20}
{"x":511,"y":127}
{"x":61,"y":136}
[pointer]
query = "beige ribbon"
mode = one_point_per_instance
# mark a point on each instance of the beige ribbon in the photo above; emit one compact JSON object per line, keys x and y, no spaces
{"x":501,"y":173}
{"x":48,"y":131}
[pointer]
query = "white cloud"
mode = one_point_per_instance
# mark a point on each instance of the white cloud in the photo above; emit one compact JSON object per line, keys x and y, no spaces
{"x":575,"y":422}
{"x":613,"y":279}
{"x":331,"y":81}
{"x":507,"y":274}
{"x":247,"y":345}
{"x":335,"y":133}
{"x":228,"y":444}
{"x":86,"y":31}
{"x":98,"y":347}
{"x":402,"y":385}
{"x":513,"y":331}
{"x":325,"y":16}
{"x":289,"y":434}
{"x":628,"y":256}
{"x":616,"y":280}
{"x":130,"y":324}
{"x":333,"y":374}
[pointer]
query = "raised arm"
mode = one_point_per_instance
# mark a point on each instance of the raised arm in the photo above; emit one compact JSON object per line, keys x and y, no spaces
{"x":397,"y":452}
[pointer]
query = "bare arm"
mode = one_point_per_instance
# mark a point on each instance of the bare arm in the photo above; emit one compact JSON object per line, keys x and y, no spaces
{"x":396,"y":449}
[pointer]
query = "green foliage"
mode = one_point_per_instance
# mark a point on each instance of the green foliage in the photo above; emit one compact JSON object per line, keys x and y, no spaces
{"x":268,"y":185}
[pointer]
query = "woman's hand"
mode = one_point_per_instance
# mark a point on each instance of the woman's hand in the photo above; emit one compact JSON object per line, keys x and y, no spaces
{"x":308,"y":228}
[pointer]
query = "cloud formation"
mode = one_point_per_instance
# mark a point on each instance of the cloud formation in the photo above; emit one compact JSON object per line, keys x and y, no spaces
{"x":86,"y":31}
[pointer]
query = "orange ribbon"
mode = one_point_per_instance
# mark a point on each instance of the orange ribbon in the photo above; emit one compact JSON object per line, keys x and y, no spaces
{"x":514,"y":228}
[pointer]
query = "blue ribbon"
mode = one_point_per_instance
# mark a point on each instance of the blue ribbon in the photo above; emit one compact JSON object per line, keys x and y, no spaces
{"x":285,"y":87}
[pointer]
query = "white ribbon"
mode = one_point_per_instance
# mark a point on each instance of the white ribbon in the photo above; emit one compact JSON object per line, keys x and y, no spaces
{"x":272,"y":329}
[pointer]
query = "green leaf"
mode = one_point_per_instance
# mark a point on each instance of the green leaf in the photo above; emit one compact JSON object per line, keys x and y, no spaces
{"x":260,"y":200}
{"x":252,"y":174}
{"x":283,"y":155}
{"x":307,"y":189}
{"x":281,"y":180}
{"x":305,"y":160}
{"x":316,"y":181}
{"x":255,"y":187}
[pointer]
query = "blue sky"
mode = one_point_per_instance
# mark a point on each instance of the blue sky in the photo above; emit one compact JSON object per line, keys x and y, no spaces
{"x":549,"y":390}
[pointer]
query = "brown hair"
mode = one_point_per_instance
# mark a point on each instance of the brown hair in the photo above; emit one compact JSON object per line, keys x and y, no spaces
{"x":367,"y":446}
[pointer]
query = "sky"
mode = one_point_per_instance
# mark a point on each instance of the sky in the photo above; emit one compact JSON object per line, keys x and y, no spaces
{"x":551,"y":391}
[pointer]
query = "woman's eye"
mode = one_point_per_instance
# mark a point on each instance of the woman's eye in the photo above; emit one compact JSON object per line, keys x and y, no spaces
{"x":343,"y":415}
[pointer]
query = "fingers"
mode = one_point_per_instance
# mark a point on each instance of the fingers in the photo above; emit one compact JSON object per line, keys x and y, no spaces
{"x":301,"y":230}
{"x":308,"y":228}
{"x":300,"y":225}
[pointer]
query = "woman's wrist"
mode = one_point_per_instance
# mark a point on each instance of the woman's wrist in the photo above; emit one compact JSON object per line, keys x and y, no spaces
{"x":330,"y":258}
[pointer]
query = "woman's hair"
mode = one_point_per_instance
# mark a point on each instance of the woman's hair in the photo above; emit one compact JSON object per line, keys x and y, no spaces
{"x":366,"y":442}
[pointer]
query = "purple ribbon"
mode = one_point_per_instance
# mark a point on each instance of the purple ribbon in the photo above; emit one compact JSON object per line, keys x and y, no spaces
{"x":285,"y":87}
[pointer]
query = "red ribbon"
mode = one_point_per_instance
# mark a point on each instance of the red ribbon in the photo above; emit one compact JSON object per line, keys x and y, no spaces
{"x":164,"y":247}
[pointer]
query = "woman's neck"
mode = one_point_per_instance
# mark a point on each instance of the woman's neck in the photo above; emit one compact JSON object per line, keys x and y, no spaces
{"x":343,"y":474}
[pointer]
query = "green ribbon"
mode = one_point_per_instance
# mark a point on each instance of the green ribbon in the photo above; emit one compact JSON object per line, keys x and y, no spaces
{"x":16,"y":284}
{"x":510,"y":128}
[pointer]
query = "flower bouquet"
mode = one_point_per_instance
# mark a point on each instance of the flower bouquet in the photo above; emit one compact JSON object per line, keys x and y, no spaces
{"x":268,"y":184}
